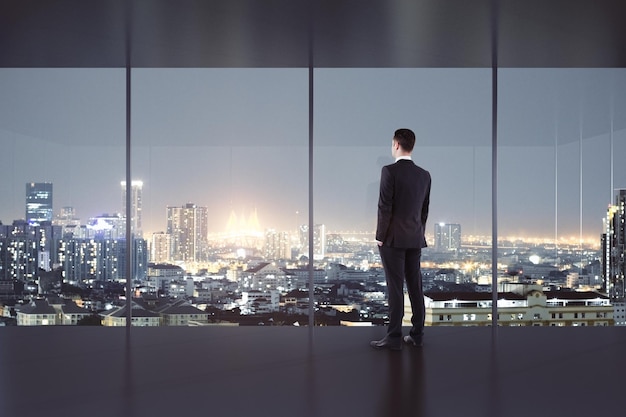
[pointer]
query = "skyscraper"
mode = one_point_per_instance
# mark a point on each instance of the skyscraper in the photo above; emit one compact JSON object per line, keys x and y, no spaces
{"x":66,"y":217}
{"x":160,"y":248}
{"x":135,"y":205}
{"x":27,"y":248}
{"x":319,"y":240}
{"x":101,"y":258}
{"x":614,"y":248}
{"x":38,"y":202}
{"x":447,"y":237}
{"x":188,"y":227}
{"x":277,"y":245}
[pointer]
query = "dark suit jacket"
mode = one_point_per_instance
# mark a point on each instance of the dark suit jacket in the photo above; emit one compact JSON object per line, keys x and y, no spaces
{"x":403,"y":205}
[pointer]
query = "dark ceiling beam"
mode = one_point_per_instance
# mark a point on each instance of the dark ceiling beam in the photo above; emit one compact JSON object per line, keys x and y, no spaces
{"x":348,"y":33}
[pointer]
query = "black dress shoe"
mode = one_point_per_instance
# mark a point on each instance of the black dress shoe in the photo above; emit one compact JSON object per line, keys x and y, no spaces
{"x":413,"y":341}
{"x":391,"y":343}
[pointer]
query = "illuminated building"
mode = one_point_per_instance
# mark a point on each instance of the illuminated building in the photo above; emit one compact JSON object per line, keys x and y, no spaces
{"x":79,"y":259}
{"x":37,"y":313}
{"x":181,"y":313}
{"x":101,"y":259}
{"x":613,"y":256}
{"x":140,"y":317}
{"x":51,"y":311}
{"x":110,"y":226}
{"x":135,"y":205}
{"x":259,"y":302}
{"x":165,"y":270}
{"x":244,"y":233}
{"x":98,"y":252}
{"x":447,"y":237}
{"x":614,"y":248}
{"x":27,"y":248}
{"x":335,"y":243}
{"x":160,"y":248}
{"x":277,"y":245}
{"x":66,"y":217}
{"x":38,"y":202}
{"x":527,"y":306}
{"x":264,"y":276}
{"x":240,"y":225}
{"x":148,"y":311}
{"x":19,"y":252}
{"x":300,"y":276}
{"x":161,"y":275}
{"x":188,"y":227}
{"x":319,"y":240}
{"x":139,"y":259}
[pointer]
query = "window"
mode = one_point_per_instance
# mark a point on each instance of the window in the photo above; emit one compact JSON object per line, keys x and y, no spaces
{"x":238,"y":160}
{"x":195,"y":125}
{"x":356,"y":139}
{"x":73,"y":117}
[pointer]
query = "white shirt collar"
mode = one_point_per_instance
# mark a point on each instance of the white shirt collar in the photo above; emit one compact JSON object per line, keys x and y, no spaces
{"x":403,"y":157}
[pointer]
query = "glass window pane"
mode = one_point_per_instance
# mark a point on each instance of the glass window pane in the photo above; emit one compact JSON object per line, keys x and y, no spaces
{"x":223,"y":158}
{"x":63,"y":138}
{"x":559,"y":131}
{"x":356,"y":114}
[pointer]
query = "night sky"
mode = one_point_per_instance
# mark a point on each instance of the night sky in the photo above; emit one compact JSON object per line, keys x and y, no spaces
{"x":237,"y":140}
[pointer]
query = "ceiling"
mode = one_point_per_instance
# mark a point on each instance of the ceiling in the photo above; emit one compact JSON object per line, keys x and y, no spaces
{"x":318,"y":33}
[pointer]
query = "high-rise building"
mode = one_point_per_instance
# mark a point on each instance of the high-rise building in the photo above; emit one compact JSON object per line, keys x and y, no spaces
{"x":335,"y":243}
{"x":187,"y":226}
{"x":614,"y":249}
{"x":319,"y":240}
{"x":110,"y":226}
{"x":447,"y":237}
{"x":66,"y":217}
{"x":135,"y":205}
{"x":277,"y":245}
{"x":101,"y":258}
{"x":26,"y":249}
{"x":38,"y":202}
{"x":160,"y":248}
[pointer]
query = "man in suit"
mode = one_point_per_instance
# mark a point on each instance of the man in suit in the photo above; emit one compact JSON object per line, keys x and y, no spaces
{"x":402,"y":212}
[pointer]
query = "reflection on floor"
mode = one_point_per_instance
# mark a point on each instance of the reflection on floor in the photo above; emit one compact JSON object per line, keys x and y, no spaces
{"x":291,"y":371}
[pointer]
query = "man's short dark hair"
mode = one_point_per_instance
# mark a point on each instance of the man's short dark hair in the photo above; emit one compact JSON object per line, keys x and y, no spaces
{"x":406,"y":139}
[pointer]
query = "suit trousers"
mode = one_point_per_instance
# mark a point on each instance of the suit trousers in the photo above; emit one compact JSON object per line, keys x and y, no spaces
{"x":403,"y":265}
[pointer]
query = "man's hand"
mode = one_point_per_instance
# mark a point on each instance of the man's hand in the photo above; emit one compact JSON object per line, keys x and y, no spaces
{"x":379,"y":243}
